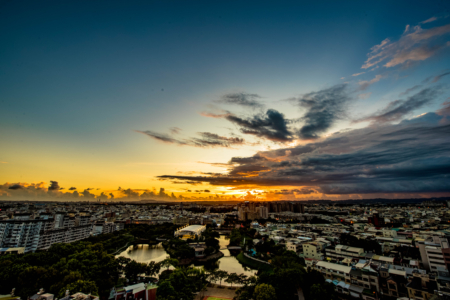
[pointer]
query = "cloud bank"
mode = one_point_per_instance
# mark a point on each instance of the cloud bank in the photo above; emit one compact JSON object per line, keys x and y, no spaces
{"x":410,"y":157}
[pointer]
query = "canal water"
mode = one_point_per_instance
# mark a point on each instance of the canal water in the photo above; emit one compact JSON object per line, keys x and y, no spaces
{"x":146,"y":254}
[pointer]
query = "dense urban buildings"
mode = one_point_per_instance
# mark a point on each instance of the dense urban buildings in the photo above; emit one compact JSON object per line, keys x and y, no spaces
{"x":377,"y":251}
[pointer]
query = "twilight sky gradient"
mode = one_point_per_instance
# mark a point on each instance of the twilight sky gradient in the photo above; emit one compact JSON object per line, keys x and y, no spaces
{"x":221,"y":99}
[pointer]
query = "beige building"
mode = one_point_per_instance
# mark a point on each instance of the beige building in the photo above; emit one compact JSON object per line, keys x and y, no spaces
{"x":314,"y":250}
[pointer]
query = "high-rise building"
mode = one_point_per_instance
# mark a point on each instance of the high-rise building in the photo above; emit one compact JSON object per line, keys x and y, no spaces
{"x":263,"y":212}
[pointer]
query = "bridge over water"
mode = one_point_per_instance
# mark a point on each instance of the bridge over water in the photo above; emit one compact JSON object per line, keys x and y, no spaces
{"x":231,"y":248}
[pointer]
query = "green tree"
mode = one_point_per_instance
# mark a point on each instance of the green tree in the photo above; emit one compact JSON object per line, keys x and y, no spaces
{"x":68,"y":279}
{"x":323,"y":291}
{"x":169,"y":262}
{"x":123,"y":262}
{"x":265,"y":292}
{"x":220,"y":275}
{"x":152,"y":268}
{"x":166,"y":291}
{"x":133,"y":269}
{"x":83,"y":286}
{"x":232,"y":278}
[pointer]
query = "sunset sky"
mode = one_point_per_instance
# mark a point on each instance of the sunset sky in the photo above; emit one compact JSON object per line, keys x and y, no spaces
{"x":220,"y":99}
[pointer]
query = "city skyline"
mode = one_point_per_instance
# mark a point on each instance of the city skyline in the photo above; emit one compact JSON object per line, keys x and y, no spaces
{"x":116,"y":100}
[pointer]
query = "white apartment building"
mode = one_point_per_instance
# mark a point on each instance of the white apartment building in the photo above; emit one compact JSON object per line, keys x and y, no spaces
{"x":102,"y":228}
{"x":64,"y":235}
{"x":432,"y":256}
{"x":17,"y":233}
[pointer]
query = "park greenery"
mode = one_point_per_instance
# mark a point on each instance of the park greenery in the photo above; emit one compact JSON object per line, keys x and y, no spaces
{"x":89,"y":266}
{"x":180,"y":249}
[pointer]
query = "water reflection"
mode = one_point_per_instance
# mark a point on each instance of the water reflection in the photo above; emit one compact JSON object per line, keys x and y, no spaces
{"x":146,"y":254}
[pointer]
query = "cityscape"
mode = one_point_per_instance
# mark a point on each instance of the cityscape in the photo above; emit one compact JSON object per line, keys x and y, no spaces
{"x":224,"y":150}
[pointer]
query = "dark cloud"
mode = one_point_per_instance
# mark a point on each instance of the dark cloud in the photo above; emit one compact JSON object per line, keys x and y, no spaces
{"x":410,"y":157}
{"x":398,"y":109}
{"x":15,"y":187}
{"x":303,"y":191}
{"x":439,"y":77}
{"x":323,"y":109}
{"x":87,"y":194}
{"x":242,"y":99}
{"x":129,"y":193}
{"x":202,"y":191}
{"x":206,"y":139}
{"x":72,"y":188}
{"x":272,"y":125}
{"x":54,"y":186}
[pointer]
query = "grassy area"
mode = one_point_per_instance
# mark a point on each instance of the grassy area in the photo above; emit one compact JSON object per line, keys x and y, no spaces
{"x":253,"y":264}
{"x":215,"y":298}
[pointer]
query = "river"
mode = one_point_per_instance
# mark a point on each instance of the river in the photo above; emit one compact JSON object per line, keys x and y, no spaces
{"x":146,"y":254}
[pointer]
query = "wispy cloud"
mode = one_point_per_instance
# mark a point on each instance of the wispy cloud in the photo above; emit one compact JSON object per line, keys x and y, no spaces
{"x":439,"y":77}
{"x":412,"y":89}
{"x":364,"y":84}
{"x":432,"y":19}
{"x":206,"y":139}
{"x":398,"y":109}
{"x":242,"y":99}
{"x":364,"y":96}
{"x":357,"y":74}
{"x":415,"y":44}
{"x":175,"y":130}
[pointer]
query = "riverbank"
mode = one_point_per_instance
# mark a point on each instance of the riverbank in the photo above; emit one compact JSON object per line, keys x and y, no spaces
{"x":253,"y":264}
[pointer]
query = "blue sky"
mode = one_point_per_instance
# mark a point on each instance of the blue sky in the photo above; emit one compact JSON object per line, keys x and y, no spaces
{"x":78,"y":80}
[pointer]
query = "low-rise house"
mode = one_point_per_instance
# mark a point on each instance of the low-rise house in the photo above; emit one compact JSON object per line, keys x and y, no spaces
{"x":421,"y":286}
{"x":341,"y":252}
